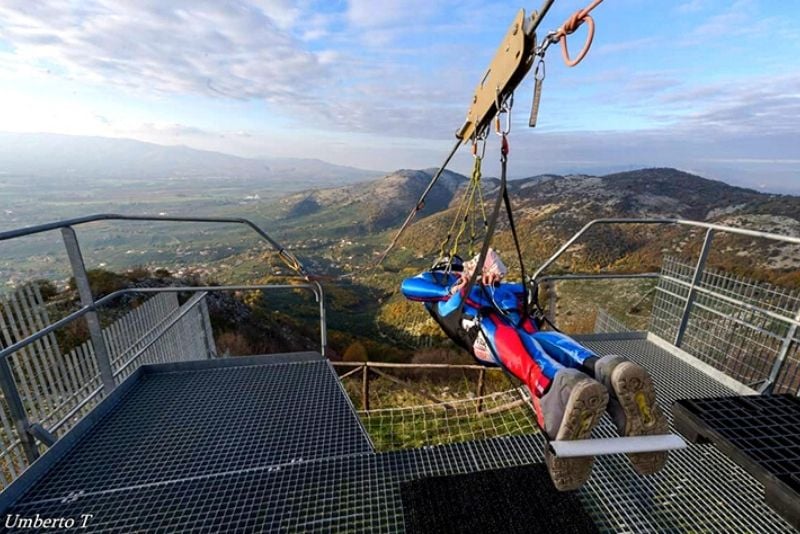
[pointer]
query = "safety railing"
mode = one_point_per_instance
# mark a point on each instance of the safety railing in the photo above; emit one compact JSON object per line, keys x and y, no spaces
{"x":367,"y":371}
{"x":700,"y":309}
{"x":44,"y":392}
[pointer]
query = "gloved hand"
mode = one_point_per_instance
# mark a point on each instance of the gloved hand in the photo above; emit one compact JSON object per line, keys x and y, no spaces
{"x":494,"y":270}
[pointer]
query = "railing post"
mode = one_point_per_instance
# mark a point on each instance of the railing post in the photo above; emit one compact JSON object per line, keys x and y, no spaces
{"x":11,"y":395}
{"x":365,"y":388}
{"x":552,"y":301}
{"x":769,"y":385}
{"x":323,"y":327}
{"x":481,"y":385}
{"x":85,"y":292}
{"x":205,"y":322}
{"x":696,"y":278}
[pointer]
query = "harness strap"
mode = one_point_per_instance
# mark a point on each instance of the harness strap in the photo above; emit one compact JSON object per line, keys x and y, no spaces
{"x":509,"y":212}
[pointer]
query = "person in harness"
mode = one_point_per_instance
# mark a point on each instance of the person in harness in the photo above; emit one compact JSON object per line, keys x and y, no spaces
{"x":570,"y":386}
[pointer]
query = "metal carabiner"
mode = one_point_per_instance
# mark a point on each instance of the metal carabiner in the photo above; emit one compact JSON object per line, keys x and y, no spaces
{"x":504,"y":110}
{"x":503,"y":107}
{"x":551,"y":38}
{"x":479,"y":145}
{"x":539,"y":71}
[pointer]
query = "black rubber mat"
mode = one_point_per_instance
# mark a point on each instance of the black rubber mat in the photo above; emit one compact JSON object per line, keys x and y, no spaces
{"x":517,"y":499}
{"x":760,"y":433}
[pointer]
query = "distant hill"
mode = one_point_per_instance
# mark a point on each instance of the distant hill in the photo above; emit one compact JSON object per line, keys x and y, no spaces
{"x":368,"y":207}
{"x":550,"y":208}
{"x":64,"y":158}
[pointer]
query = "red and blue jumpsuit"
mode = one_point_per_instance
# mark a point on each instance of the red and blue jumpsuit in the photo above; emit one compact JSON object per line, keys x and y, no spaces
{"x":491,"y":320}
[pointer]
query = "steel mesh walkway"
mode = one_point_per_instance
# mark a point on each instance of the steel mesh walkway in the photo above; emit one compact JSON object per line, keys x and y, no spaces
{"x":700,"y":490}
{"x":279,"y":447}
{"x":197,"y":423}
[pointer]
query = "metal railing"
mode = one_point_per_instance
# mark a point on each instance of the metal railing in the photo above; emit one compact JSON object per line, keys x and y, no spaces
{"x":84,"y":290}
{"x":50,"y":390}
{"x":736,"y":324}
{"x":93,"y":369}
{"x":695,"y":292}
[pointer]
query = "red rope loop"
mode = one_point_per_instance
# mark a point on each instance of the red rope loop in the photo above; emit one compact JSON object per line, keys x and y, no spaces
{"x":573,"y":23}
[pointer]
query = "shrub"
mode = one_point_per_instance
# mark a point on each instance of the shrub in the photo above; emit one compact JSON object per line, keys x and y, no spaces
{"x":356,"y":352}
{"x":47,"y":288}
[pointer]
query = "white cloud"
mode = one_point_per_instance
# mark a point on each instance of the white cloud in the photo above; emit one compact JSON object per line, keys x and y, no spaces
{"x":235,"y":49}
{"x":369,"y":14}
{"x":692,"y":6}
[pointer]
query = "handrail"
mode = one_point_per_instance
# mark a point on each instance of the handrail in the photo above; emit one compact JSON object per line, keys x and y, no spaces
{"x":685,"y":222}
{"x":597,"y":276}
{"x":390,"y":365}
{"x":314,"y":287}
{"x":735,"y":302}
{"x":46,"y":227}
{"x":695,"y":286}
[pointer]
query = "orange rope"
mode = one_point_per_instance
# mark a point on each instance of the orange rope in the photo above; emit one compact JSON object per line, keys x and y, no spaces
{"x":573,"y":23}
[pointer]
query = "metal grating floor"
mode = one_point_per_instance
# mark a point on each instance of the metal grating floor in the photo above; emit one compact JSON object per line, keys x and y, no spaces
{"x":353,"y":493}
{"x":278,"y":447}
{"x":699,"y":490}
{"x":198,"y":422}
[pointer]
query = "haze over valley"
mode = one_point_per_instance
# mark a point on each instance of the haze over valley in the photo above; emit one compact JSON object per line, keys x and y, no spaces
{"x":335,"y":217}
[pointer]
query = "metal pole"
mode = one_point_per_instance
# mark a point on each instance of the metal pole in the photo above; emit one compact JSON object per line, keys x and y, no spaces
{"x":205,"y":322}
{"x":481,"y":384}
{"x":365,"y":388}
{"x":552,"y":301}
{"x":323,"y":327}
{"x":11,"y":395}
{"x":769,"y":385}
{"x":87,"y":300}
{"x":698,"y":274}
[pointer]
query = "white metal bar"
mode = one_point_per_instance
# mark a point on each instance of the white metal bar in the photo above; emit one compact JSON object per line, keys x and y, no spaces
{"x":633,"y":444}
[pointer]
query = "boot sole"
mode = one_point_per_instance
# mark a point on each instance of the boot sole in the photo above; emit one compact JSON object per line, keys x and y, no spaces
{"x":585,"y":407}
{"x":636,"y":395}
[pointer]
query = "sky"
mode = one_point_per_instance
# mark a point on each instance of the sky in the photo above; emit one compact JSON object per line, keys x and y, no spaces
{"x":707,"y":86}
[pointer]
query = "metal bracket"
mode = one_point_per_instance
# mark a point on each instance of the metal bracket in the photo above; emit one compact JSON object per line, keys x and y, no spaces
{"x":510,"y":64}
{"x":42,"y":434}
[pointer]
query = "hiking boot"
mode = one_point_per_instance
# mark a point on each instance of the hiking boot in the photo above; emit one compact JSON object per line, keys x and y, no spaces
{"x":570,"y":410}
{"x":633,"y":407}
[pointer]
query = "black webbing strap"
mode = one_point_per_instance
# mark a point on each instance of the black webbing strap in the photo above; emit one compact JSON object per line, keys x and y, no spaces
{"x":509,"y":212}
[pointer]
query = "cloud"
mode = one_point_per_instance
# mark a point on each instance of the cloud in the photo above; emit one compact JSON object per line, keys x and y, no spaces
{"x":692,"y":6}
{"x":740,"y":19}
{"x":767,"y":105}
{"x":366,"y":14}
{"x":234,"y":49}
{"x":625,"y":46}
{"x":394,"y":78}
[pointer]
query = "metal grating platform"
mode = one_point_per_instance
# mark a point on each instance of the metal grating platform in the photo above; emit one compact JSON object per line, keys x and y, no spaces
{"x":301,"y":461}
{"x":358,"y":492}
{"x":760,"y":433}
{"x":699,"y":490}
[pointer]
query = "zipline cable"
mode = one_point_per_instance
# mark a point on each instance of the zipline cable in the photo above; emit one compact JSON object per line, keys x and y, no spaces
{"x":419,"y":205}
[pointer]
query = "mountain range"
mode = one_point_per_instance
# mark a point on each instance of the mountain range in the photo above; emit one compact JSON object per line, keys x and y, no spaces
{"x":47,"y":176}
{"x":550,"y":208}
{"x":69,"y":157}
